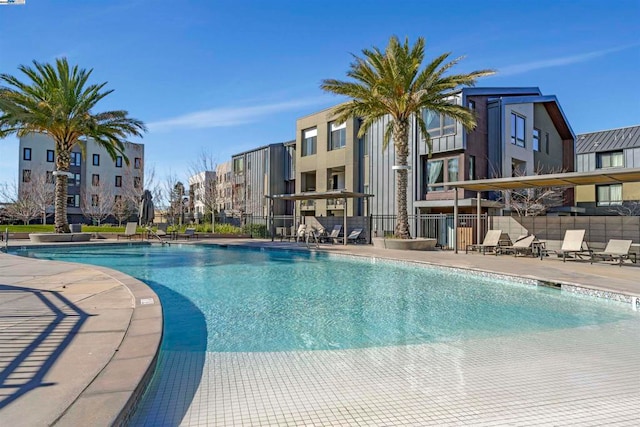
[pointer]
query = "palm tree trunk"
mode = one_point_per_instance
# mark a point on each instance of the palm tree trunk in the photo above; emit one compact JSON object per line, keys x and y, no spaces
{"x":400,"y":138}
{"x":62,"y":164}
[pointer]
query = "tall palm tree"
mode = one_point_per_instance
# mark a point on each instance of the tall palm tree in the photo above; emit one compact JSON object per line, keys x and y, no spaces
{"x":394,"y":83}
{"x":57,"y":100}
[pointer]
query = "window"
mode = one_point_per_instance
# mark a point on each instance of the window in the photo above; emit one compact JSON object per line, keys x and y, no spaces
{"x":94,"y":200}
{"x":137,"y":162}
{"x":471,"y":105}
{"x":75,"y":180}
{"x":76,"y":159}
{"x":438,"y":124}
{"x":546,"y":142}
{"x":49,"y":177}
{"x":612,"y":159}
{"x":118,"y":161}
{"x":435,"y":175}
{"x":118,"y":181}
{"x":26,"y":154}
{"x":50,"y":156}
{"x":452,"y":165}
{"x":26,"y":175}
{"x":95,"y":180}
{"x":337,"y":135}
{"x":117,"y":199}
{"x":517,"y":130}
{"x":238,"y":165}
{"x":73,"y":201}
{"x":96,"y":160}
{"x":136,"y":182}
{"x":472,"y":167}
{"x":609,"y":195}
{"x":536,"y":139}
{"x":309,"y":139}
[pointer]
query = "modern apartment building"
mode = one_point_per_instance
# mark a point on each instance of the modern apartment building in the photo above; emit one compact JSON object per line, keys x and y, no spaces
{"x":224,"y":185}
{"x":519,"y":131}
{"x":203,"y":190}
{"x":95,"y":173}
{"x":329,"y":156}
{"x":261,"y":172}
{"x":615,"y":148}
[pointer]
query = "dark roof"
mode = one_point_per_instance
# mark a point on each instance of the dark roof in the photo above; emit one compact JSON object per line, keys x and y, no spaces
{"x":608,"y":140}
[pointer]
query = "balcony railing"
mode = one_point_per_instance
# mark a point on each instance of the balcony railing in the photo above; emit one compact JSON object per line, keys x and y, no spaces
{"x":308,"y":205}
{"x":335,"y":204}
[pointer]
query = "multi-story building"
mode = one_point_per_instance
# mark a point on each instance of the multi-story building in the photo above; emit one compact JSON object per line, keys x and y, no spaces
{"x":203,"y":191}
{"x":224,"y":188}
{"x":258,"y":173}
{"x":615,"y":148}
{"x":519,"y":132}
{"x":94,"y":172}
{"x":329,"y":156}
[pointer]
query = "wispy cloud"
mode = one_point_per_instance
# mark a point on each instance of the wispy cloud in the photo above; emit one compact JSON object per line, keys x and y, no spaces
{"x":558,"y":62}
{"x":230,"y":116}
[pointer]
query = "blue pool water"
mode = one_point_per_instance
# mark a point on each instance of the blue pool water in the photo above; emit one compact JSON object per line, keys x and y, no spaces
{"x":218,"y":299}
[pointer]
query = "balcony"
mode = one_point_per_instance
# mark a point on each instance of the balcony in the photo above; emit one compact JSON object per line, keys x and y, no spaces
{"x":307,"y":205}
{"x":335,"y":204}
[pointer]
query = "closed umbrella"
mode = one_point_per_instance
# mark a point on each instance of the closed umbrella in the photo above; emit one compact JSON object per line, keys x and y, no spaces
{"x":147,"y":212}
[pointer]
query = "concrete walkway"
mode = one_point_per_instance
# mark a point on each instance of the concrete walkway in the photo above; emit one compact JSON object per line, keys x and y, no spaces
{"x":78,"y":342}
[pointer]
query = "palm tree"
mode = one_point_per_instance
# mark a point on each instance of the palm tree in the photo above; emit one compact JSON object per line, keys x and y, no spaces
{"x":57,"y":100}
{"x":394,"y":83}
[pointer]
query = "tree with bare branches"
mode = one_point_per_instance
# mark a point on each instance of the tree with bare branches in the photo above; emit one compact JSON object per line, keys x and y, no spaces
{"x":97,"y":203}
{"x":19,"y":203}
{"x":532,"y":201}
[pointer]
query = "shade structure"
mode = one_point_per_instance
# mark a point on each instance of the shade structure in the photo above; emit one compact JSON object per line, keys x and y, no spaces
{"x":146,"y":212}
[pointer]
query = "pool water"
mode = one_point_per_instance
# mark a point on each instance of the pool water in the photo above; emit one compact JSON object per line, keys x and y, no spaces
{"x":219,"y":299}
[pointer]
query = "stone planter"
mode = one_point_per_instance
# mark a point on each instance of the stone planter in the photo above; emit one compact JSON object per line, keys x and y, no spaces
{"x":420,"y":244}
{"x":59,"y":237}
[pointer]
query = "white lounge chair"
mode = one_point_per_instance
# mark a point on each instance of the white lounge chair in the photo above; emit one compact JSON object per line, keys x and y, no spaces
{"x":615,"y":250}
{"x":490,"y":242}
{"x":335,"y":234}
{"x":301,"y":234}
{"x":353,"y":237}
{"x":129,"y":231}
{"x":522,"y":245}
{"x":572,"y":244}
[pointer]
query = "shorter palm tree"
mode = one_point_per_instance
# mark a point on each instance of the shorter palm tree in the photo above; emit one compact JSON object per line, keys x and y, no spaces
{"x":394,"y":83}
{"x":58,"y":101}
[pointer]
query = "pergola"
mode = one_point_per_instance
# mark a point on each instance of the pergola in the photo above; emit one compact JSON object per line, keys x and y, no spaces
{"x":567,"y":179}
{"x":324,"y":195}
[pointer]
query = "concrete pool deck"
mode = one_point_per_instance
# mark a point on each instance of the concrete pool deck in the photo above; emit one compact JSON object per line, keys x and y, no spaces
{"x":80,"y":341}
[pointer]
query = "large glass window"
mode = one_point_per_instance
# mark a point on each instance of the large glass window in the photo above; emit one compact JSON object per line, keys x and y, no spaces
{"x":452,"y":166}
{"x":435,"y":175}
{"x":337,"y":135}
{"x":309,"y":141}
{"x":73,"y":201}
{"x":26,"y":153}
{"x":96,"y":160}
{"x":438,"y":124}
{"x":517,"y":129}
{"x":472,"y":167}
{"x":609,"y":195}
{"x":238,"y":165}
{"x":612,"y":159}
{"x":536,"y":139}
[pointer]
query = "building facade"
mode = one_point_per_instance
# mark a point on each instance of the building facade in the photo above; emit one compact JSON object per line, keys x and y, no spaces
{"x":224,"y":187}
{"x":258,"y":173}
{"x":94,"y":173}
{"x":615,"y":148}
{"x":203,"y":192}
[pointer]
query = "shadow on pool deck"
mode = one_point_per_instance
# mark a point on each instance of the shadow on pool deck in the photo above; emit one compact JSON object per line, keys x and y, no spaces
{"x":181,"y":368}
{"x":43,"y":324}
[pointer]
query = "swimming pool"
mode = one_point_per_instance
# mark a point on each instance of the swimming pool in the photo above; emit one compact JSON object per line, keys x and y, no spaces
{"x":253,"y":300}
{"x":285,"y":337}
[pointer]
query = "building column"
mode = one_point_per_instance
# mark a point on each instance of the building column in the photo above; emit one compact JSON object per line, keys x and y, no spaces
{"x":455,"y":221}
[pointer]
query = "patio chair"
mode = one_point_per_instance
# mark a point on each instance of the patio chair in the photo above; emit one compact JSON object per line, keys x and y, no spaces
{"x":301,"y":234}
{"x":335,"y":234}
{"x":188,"y":234}
{"x":615,"y":250}
{"x":314,"y":235}
{"x":490,"y":242}
{"x":129,"y":231}
{"x":353,"y":237}
{"x":522,"y":245}
{"x":572,"y":244}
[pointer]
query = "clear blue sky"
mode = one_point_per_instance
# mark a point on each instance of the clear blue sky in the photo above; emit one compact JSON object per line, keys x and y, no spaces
{"x":226,"y":76}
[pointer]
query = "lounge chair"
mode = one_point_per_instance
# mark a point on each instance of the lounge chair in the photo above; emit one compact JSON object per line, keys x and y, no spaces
{"x":335,"y":234}
{"x":615,"y":250}
{"x":490,"y":242}
{"x":129,"y":231}
{"x":353,"y":237}
{"x":572,"y":244}
{"x":188,"y":234}
{"x":522,"y":245}
{"x":301,"y":234}
{"x":314,"y":235}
